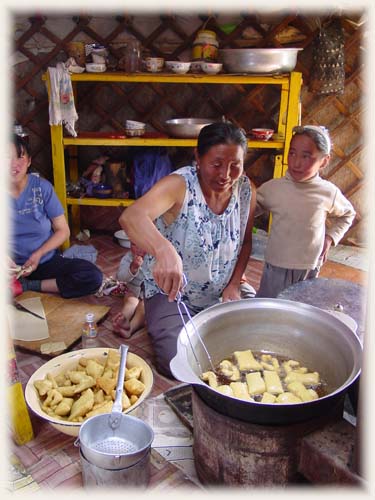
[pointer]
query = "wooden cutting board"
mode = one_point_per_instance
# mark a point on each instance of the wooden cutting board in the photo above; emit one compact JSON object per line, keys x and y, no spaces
{"x":65,"y":318}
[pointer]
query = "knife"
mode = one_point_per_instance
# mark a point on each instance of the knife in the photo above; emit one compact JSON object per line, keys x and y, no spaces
{"x":22,"y":308}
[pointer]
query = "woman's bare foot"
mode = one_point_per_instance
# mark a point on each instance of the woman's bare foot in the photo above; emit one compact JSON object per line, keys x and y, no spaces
{"x":121,"y":326}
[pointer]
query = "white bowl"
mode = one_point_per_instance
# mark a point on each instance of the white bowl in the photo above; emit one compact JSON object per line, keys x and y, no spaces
{"x":211,"y":68}
{"x":178,"y":66}
{"x":68,"y":361}
{"x":122,"y":238}
{"x":129,"y":124}
{"x":76,"y":69}
{"x":95,"y":68}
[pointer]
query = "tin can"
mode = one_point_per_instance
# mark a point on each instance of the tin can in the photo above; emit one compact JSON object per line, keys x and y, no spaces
{"x":205,"y":46}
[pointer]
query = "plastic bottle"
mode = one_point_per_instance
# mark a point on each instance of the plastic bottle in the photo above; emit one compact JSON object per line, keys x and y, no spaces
{"x":19,"y":418}
{"x":89,"y":332}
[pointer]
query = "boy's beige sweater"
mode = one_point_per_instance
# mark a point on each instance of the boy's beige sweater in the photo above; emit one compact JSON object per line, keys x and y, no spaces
{"x":302,"y":214}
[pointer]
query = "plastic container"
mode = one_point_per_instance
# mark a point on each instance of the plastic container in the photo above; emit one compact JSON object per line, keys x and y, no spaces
{"x":19,"y":418}
{"x":205,"y":46}
{"x":89,"y":332}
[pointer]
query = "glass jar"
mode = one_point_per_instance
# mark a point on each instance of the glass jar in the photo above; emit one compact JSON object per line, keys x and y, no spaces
{"x":132,"y":56}
{"x":205,"y":46}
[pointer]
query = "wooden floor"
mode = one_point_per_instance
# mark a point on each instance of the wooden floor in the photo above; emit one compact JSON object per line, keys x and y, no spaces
{"x":51,"y":458}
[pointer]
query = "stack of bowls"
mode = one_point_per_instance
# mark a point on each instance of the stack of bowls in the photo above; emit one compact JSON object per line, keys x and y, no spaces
{"x":134,"y":128}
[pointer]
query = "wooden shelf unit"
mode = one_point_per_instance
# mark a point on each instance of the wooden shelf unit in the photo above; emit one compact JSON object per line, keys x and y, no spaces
{"x":289,"y":116}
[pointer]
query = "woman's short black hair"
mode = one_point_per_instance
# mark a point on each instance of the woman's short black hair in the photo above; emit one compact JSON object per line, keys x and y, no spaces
{"x":22,"y":145}
{"x":220,"y":133}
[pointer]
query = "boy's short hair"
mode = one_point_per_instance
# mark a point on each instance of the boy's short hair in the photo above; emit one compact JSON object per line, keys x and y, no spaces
{"x":318,"y":134}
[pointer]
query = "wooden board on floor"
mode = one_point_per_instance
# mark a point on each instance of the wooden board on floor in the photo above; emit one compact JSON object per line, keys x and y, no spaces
{"x":65,"y":318}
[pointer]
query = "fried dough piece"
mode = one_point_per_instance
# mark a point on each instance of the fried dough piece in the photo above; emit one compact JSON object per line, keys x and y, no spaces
{"x":273,"y":382}
{"x":230,"y":371}
{"x":64,"y":407}
{"x":94,"y":369}
{"x":134,"y":372}
{"x":51,"y":378}
{"x":104,"y":407}
{"x":133,"y":399}
{"x":43,"y":386}
{"x":99,"y":396}
{"x":124,"y":400}
{"x":240,"y":391}
{"x":53,"y":398}
{"x":134,"y":386}
{"x":299,"y":390}
{"x":255,"y":383}
{"x":67,"y":390}
{"x":211,"y":378}
{"x":246,"y":361}
{"x":288,"y":397}
{"x":106,"y":383}
{"x":224,"y":389}
{"x":83,"y":405}
{"x":113,"y":359}
{"x":85,"y":383}
{"x":305,"y":378}
{"x":268,"y":398}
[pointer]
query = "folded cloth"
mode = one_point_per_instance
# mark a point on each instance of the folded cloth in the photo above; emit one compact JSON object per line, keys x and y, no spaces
{"x":62,"y":110}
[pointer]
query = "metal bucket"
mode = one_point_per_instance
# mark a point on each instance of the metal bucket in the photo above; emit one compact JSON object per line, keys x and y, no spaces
{"x":137,"y":474}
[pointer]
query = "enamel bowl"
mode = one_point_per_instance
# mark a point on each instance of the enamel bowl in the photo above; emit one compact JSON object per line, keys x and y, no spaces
{"x":69,"y":361}
{"x":211,"y":68}
{"x":262,"y":134}
{"x":178,"y":66}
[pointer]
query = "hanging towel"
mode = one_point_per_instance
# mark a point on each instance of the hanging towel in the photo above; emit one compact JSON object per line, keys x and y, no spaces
{"x":61,"y":103}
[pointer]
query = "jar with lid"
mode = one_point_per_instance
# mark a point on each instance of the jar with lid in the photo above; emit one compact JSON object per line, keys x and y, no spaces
{"x":205,"y":46}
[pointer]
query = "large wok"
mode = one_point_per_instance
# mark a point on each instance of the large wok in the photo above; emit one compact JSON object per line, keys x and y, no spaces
{"x":308,"y":334}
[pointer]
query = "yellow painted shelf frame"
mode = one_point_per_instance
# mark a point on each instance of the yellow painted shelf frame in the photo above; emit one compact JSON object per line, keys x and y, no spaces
{"x":289,"y":116}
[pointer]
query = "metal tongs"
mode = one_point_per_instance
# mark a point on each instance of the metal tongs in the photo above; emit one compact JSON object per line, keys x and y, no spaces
{"x":182,"y":305}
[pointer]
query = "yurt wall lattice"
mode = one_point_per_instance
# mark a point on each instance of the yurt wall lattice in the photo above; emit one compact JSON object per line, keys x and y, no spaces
{"x":41,"y":41}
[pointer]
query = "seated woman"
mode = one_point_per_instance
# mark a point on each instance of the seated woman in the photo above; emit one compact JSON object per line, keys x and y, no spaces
{"x":38,"y":228}
{"x":196,"y":221}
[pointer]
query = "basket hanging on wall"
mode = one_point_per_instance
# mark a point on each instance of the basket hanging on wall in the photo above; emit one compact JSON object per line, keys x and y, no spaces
{"x":328,"y":72}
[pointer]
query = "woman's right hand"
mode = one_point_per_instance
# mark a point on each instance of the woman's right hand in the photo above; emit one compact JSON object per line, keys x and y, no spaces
{"x":168,"y":271}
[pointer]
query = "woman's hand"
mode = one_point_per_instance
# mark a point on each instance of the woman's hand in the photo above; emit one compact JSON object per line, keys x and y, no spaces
{"x":167,"y":271}
{"x":32,"y":263}
{"x":231,"y":292}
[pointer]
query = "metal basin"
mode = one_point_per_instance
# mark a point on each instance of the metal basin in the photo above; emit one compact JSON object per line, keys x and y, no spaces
{"x":299,"y":331}
{"x":281,"y":60}
{"x":186,"y":127}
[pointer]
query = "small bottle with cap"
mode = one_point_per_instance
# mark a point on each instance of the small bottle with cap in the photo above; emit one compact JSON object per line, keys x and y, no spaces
{"x":89,"y":332}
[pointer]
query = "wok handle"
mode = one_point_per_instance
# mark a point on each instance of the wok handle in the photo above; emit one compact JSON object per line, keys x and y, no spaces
{"x":181,"y":373}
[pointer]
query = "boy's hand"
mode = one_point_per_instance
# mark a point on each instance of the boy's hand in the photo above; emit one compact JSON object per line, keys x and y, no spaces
{"x":136,"y":264}
{"x":326,"y":246}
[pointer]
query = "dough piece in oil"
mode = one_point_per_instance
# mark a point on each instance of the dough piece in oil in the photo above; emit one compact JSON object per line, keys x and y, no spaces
{"x":273,"y":382}
{"x":246,"y":361}
{"x":255,"y":383}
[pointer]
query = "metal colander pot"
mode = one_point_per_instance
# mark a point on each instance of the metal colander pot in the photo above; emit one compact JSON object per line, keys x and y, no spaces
{"x":114,"y":440}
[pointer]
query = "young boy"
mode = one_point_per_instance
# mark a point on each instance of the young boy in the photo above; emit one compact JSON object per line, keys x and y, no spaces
{"x":309,"y":214}
{"x":132,"y":316}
